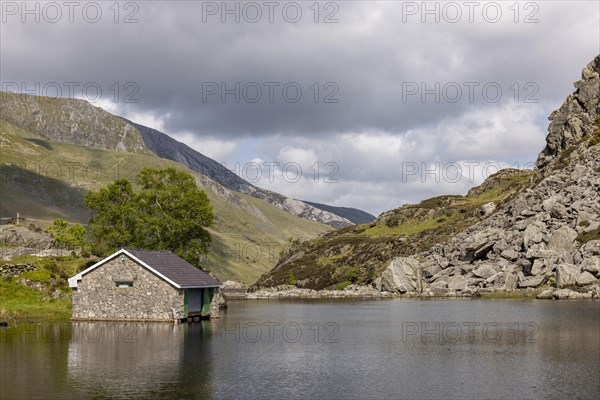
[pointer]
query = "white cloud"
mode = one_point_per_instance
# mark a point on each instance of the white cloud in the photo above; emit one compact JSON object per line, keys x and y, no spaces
{"x":218,"y":150}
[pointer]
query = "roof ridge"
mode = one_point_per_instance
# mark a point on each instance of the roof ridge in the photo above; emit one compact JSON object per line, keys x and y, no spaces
{"x":154,"y":251}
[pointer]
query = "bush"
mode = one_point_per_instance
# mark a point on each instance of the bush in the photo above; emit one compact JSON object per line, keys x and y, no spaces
{"x":291,"y":280}
{"x":70,"y":236}
{"x":352,"y":274}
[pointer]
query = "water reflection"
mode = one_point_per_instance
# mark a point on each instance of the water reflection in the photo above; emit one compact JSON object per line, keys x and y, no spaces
{"x":319,"y":349}
{"x":134,"y":359}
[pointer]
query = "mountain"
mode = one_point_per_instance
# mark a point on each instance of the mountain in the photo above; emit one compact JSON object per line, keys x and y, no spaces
{"x":352,"y":214}
{"x":519,"y":230}
{"x":76,"y":121}
{"x":166,"y":147}
{"x":44,"y":178}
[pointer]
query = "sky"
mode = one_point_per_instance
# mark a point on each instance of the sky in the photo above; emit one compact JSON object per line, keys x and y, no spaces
{"x":365,"y":104}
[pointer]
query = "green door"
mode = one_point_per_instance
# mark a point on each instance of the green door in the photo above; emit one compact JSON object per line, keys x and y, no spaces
{"x":185,"y":302}
{"x":207,"y":294}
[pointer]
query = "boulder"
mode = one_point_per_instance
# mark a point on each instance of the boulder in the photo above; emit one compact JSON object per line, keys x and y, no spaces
{"x":488,"y":208}
{"x":591,"y":248}
{"x":510,"y":282}
{"x":485,"y":271}
{"x":540,"y":253}
{"x":591,"y":264}
{"x":457,"y":282}
{"x":510,"y":255}
{"x":549,"y":203}
{"x":568,"y":294}
{"x":562,"y":240}
{"x":547,"y":294}
{"x":430,"y":269}
{"x":532,"y":281}
{"x":567,"y":274}
{"x":440,"y":284}
{"x":402,"y":275}
{"x":533,"y":234}
{"x":585,"y":278}
{"x":538,"y":266}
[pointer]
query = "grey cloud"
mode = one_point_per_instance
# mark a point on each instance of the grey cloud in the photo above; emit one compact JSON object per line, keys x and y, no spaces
{"x":170,"y":53}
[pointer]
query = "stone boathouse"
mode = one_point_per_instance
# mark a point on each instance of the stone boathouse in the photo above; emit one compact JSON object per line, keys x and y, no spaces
{"x":144,"y":285}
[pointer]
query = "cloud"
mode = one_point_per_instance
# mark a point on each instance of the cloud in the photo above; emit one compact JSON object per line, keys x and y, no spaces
{"x":374,"y":90}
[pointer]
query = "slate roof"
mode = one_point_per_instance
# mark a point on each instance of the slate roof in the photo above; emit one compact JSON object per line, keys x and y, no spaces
{"x":175,"y":268}
{"x":165,"y":264}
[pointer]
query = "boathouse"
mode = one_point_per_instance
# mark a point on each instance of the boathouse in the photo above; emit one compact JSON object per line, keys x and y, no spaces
{"x":145,"y":285}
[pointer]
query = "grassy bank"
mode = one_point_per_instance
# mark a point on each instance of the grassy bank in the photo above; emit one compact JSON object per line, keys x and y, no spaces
{"x":41,"y":294}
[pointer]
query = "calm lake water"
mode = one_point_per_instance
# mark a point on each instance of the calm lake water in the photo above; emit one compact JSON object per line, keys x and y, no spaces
{"x":318,"y":349}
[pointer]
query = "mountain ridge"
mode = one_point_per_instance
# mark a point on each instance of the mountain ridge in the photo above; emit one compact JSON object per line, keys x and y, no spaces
{"x":166,"y":147}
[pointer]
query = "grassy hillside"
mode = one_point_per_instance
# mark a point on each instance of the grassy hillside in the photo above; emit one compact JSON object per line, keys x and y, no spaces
{"x":43,"y":179}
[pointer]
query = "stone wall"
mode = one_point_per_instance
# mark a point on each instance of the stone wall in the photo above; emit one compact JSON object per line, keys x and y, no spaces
{"x":151,"y":298}
{"x":16,"y":269}
{"x":214,"y":304}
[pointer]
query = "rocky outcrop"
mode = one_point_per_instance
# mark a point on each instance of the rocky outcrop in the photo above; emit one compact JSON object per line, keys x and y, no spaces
{"x":549,"y":234}
{"x":593,"y":292}
{"x":21,"y":236}
{"x":351,"y":214}
{"x":71,"y":121}
{"x":573,"y":120}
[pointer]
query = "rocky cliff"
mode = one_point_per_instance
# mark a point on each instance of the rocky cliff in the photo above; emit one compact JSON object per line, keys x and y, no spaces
{"x":520,"y":230}
{"x":574,"y":119}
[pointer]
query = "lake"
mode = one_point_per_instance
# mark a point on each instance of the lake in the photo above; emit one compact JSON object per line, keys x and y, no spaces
{"x":426,"y":349}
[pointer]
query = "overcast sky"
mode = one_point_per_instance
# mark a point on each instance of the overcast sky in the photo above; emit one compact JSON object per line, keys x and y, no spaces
{"x":393,"y":101}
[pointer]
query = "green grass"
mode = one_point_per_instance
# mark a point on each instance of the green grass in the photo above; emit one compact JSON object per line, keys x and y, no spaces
{"x":343,"y":285}
{"x":21,"y":302}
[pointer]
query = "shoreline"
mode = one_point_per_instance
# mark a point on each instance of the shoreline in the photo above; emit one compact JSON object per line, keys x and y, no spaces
{"x":368,"y":293}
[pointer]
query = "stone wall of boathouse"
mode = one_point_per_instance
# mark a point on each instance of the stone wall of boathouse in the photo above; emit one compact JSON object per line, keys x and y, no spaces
{"x":98,"y":297}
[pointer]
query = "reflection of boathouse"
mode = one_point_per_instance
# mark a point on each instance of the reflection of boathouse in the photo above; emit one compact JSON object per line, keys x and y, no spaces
{"x":144,"y":285}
